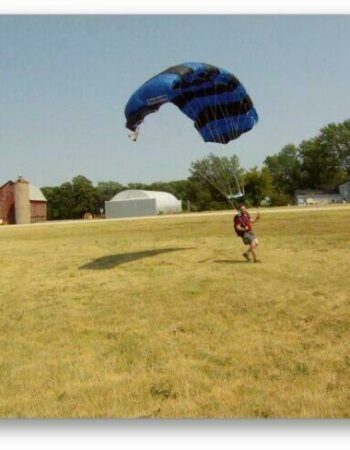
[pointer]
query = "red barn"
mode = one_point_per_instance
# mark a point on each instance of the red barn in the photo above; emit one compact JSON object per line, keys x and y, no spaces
{"x":7,"y":202}
{"x":38,"y":204}
{"x":31,"y":199}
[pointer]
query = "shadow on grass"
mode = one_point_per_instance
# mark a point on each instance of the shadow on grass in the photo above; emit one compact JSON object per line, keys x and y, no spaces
{"x":110,"y":261}
{"x":230,"y":261}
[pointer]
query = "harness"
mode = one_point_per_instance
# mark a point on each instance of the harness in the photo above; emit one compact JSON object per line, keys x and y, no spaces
{"x":236,"y":219}
{"x":240,"y":219}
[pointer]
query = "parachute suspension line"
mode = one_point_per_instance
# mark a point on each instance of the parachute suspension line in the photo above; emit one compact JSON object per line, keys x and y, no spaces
{"x":213,"y":165}
{"x":245,"y":120}
{"x":246,"y":117}
{"x":210,"y":171}
{"x":217,"y":181}
{"x":234,"y":129}
{"x":226,"y":170}
{"x":217,"y":185}
{"x":216,"y":162}
{"x":221,"y":169}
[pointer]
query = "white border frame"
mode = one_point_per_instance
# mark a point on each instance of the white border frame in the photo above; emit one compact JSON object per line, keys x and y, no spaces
{"x":174,"y":7}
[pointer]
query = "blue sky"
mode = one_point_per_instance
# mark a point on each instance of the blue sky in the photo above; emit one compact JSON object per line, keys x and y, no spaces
{"x":65,"y":81}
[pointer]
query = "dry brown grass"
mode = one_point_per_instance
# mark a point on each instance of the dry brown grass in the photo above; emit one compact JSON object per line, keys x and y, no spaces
{"x":162,"y":318}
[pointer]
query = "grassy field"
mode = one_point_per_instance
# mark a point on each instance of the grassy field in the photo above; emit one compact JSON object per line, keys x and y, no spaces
{"x":163,"y":318}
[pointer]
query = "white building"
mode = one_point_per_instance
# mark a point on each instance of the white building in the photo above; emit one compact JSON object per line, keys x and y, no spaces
{"x":138,"y":203}
{"x":316,"y":197}
{"x":344,"y":190}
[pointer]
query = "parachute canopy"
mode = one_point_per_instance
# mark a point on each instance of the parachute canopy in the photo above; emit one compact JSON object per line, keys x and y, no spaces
{"x":213,"y":98}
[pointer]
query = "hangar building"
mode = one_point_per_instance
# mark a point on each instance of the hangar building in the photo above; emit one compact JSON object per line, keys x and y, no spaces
{"x":138,"y":203}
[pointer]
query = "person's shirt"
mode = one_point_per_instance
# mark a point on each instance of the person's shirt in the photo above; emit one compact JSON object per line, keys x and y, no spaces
{"x":242,"y":220}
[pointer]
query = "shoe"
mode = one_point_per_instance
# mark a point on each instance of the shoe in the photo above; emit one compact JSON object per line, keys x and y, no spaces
{"x":246,"y":256}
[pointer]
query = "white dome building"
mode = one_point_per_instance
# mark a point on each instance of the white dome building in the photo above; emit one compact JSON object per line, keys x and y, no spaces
{"x":138,"y":203}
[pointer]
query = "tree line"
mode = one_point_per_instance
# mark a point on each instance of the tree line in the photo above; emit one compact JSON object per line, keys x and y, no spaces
{"x":322,"y":162}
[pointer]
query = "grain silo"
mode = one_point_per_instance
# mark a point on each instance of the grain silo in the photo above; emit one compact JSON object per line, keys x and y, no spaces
{"x":22,"y":204}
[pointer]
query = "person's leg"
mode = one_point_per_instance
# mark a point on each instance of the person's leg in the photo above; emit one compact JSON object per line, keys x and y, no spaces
{"x":246,"y":255}
{"x":251,"y":241}
{"x":246,"y":241}
{"x":252,"y":248}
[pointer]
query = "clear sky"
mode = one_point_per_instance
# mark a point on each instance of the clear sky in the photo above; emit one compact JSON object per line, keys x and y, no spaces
{"x":64,"y":82}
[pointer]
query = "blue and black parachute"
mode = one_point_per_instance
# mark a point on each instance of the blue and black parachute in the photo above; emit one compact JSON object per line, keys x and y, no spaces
{"x":213,"y":98}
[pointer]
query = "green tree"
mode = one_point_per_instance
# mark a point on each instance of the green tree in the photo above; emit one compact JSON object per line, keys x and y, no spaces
{"x":106,"y":190}
{"x":72,"y":199}
{"x":321,"y":162}
{"x":85,"y":197}
{"x":336,"y":137}
{"x":257,"y":185}
{"x":321,"y":167}
{"x":285,"y":170}
{"x":60,"y":201}
{"x":202,"y":196}
{"x":212,"y":180}
{"x":179,"y":189}
{"x":137,"y":186}
{"x":326,"y":158}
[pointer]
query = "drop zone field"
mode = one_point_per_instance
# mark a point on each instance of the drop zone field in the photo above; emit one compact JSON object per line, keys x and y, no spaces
{"x":164,"y":319}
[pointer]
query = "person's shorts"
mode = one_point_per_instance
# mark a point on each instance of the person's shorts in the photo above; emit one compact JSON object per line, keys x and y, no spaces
{"x":248,"y":238}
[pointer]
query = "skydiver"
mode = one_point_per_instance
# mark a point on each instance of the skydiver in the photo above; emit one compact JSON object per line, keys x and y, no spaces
{"x":242,"y":223}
